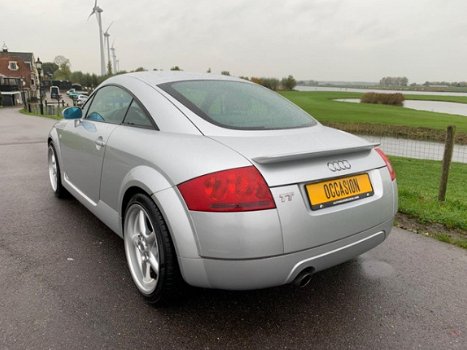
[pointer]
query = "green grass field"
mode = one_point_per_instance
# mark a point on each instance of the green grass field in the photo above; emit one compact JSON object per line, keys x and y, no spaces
{"x":322,"y":106}
{"x":418,"y":182}
{"x":52,"y":116}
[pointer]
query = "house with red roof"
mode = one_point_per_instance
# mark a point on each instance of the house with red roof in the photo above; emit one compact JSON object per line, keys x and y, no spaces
{"x":19,"y":79}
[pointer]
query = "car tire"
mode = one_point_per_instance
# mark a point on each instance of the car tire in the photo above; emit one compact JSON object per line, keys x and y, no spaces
{"x":55,"y":173}
{"x":149,"y":251}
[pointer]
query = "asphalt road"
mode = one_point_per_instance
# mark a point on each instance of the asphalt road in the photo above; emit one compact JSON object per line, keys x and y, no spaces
{"x":64,"y":283}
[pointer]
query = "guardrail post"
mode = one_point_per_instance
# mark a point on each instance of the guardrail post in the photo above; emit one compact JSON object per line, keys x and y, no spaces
{"x":448,"y":149}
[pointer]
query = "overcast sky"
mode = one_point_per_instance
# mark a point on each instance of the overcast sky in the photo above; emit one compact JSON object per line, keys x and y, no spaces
{"x":351,"y":40}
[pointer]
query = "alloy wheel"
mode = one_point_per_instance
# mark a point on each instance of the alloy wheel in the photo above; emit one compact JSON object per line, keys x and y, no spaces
{"x":141,"y":249}
{"x":52,"y":168}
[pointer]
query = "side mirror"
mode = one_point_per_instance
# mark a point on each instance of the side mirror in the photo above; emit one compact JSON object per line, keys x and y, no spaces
{"x":72,"y":113}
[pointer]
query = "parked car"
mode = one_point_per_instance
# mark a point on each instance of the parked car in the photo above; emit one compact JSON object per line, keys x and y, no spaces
{"x":81,"y":99}
{"x":73,"y":93}
{"x":219,"y":182}
{"x":54,"y":92}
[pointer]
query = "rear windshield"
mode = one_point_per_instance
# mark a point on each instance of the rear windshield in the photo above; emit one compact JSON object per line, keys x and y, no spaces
{"x":238,"y":105}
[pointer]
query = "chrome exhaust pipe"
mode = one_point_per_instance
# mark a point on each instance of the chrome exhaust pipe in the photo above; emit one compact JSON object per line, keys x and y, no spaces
{"x":303,"y":278}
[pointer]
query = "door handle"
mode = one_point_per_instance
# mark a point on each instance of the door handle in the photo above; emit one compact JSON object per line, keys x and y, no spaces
{"x":100,"y":142}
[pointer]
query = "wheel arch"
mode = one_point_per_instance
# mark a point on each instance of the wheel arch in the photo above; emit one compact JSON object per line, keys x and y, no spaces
{"x":129,"y":193}
{"x":149,"y":181}
{"x":141,"y":179}
{"x":54,"y":139}
{"x":184,"y":241}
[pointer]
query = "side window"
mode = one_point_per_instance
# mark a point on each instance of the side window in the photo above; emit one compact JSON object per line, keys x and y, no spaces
{"x":109,"y":105}
{"x":137,"y":117}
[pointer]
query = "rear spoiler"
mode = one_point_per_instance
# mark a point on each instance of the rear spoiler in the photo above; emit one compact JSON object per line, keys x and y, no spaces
{"x":279,"y":158}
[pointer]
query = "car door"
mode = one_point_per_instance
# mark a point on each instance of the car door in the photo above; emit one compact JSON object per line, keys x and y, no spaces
{"x":83,"y":141}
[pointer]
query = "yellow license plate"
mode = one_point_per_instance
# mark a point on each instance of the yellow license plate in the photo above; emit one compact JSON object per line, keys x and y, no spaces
{"x":338,"y":191}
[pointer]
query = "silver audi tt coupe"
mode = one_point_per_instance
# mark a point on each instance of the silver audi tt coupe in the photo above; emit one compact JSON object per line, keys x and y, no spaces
{"x":219,"y":182}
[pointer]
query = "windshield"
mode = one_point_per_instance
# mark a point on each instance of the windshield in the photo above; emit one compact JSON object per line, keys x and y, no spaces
{"x":238,"y":105}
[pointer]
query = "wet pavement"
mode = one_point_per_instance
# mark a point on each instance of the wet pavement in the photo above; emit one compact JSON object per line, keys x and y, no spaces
{"x":64,"y":283}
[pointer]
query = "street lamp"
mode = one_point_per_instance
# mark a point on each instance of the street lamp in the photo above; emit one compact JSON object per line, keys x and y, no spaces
{"x":39,"y":69}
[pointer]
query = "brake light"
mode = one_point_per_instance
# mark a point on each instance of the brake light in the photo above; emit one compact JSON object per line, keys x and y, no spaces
{"x":233,"y":190}
{"x":392,"y":172}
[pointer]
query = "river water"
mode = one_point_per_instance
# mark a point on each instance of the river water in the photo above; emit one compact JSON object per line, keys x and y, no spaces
{"x":322,"y":88}
{"x":430,"y":106}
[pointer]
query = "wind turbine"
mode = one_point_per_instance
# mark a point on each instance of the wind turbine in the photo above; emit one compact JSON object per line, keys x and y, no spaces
{"x":98,"y":11}
{"x":114,"y":57}
{"x":107,"y":36}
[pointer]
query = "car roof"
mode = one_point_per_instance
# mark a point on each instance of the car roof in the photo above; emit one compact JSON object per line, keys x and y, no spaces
{"x":160,"y":77}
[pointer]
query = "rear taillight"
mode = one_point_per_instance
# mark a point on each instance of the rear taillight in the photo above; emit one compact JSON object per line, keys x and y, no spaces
{"x":233,"y":190}
{"x":392,"y":172}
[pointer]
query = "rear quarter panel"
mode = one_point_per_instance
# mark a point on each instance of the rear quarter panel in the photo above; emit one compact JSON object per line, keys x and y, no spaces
{"x":156,"y":162}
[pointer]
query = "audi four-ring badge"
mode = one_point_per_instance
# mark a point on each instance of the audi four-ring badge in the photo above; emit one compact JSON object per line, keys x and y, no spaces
{"x":339,"y":165}
{"x":216,"y":182}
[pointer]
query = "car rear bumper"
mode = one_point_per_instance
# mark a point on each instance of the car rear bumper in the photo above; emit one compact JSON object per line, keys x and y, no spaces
{"x":277,"y":270}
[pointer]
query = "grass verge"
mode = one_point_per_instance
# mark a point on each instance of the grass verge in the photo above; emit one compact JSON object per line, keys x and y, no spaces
{"x":437,"y":231}
{"x":418,"y":182}
{"x":380,"y":119}
{"x":25,"y":112}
